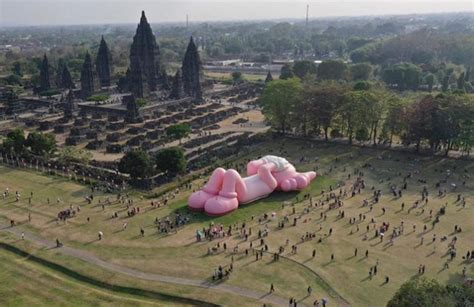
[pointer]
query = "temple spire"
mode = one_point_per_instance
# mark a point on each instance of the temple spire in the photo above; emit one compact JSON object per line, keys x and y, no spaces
{"x":269,"y":77}
{"x":70,"y":105}
{"x":144,"y":60}
{"x":191,"y":70}
{"x":44,"y":74}
{"x":177,"y":86}
{"x":87,"y":77}
{"x":103,"y":63}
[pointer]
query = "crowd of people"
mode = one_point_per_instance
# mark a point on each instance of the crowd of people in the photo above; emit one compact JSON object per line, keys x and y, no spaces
{"x":377,"y":217}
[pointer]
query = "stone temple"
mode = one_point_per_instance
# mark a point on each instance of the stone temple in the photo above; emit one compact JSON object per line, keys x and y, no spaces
{"x":144,"y":60}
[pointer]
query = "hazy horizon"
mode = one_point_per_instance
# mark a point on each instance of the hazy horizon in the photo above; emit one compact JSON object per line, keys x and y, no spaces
{"x":74,"y":12}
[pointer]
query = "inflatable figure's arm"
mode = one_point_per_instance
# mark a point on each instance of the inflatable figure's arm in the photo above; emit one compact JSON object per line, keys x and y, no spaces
{"x":265,"y":173}
{"x":252,"y":166}
{"x":279,"y":163}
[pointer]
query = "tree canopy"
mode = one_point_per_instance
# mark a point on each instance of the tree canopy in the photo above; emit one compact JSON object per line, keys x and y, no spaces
{"x":41,"y":144}
{"x":171,"y":160}
{"x":421,"y":292}
{"x":178,"y":131}
{"x":279,"y":100}
{"x":137,"y":164}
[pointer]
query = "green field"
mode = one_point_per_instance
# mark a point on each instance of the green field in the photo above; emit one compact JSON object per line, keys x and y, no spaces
{"x":179,"y":255}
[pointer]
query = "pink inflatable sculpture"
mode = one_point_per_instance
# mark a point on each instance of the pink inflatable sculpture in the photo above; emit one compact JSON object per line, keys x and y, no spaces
{"x":225,"y":190}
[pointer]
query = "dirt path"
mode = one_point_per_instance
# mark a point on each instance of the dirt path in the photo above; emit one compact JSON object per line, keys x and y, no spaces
{"x":89,"y":258}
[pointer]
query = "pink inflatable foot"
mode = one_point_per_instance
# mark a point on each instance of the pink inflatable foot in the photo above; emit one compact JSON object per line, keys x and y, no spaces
{"x":198,"y":199}
{"x":220,"y":205}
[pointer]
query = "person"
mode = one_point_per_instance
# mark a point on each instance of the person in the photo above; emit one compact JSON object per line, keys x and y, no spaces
{"x":272,"y":288}
{"x":310,"y":290}
{"x":387,"y":279}
{"x":23,"y":236}
{"x":100,"y":235}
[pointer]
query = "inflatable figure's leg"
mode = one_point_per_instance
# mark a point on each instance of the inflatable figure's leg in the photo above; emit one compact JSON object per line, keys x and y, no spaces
{"x":252,"y":166}
{"x":197,"y":200}
{"x":227,"y":200}
{"x":298,"y":182}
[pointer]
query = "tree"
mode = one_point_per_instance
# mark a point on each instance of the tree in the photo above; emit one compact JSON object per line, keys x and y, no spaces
{"x":324,"y":102}
{"x":13,"y":80}
{"x":303,"y":68}
{"x":137,"y":164}
{"x":41,"y":144}
{"x":353,"y":112}
{"x":362,"y":86}
{"x":419,"y":120}
{"x":430,"y":80}
{"x":362,"y":134}
{"x":17,"y":69}
{"x":332,"y":70}
{"x":279,"y":99}
{"x":402,"y":76}
{"x":178,"y":131}
{"x":361,"y":71}
{"x":445,"y":85}
{"x":374,"y":110}
{"x":141,"y":102}
{"x":395,"y":120}
{"x":286,"y":72}
{"x":452,"y":118}
{"x":15,"y":141}
{"x":460,"y":81}
{"x":421,"y":292}
{"x":171,"y":160}
{"x":237,"y":77}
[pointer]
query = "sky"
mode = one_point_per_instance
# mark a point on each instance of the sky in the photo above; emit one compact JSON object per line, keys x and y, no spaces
{"x":76,"y":12}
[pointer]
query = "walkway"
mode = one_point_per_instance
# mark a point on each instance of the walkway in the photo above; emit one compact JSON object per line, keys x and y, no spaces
{"x":91,"y":259}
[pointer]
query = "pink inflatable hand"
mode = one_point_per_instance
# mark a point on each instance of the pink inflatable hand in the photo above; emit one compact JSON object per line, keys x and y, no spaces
{"x":290,"y":180}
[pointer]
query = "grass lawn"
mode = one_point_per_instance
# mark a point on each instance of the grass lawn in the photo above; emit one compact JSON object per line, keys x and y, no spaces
{"x":178,"y":254}
{"x":27,"y":283}
{"x":228,"y":76}
{"x":27,"y":268}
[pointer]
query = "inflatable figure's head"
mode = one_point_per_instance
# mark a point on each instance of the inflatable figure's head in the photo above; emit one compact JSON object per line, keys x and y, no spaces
{"x":280,"y":163}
